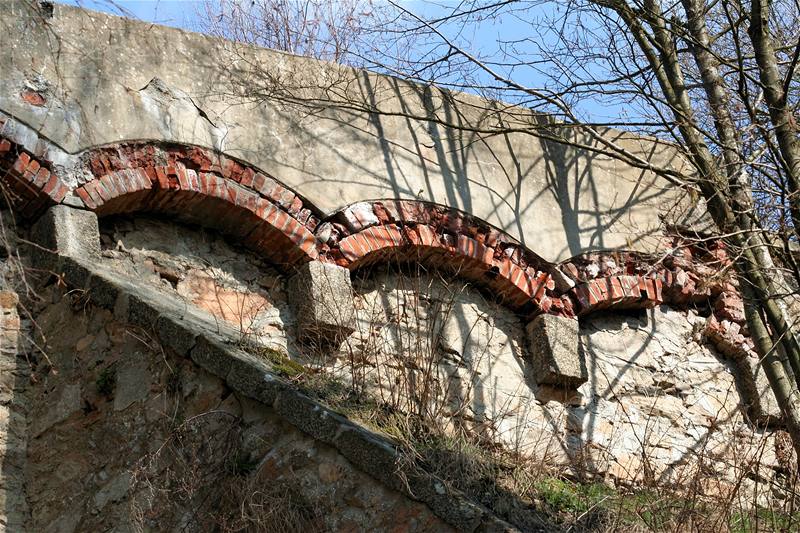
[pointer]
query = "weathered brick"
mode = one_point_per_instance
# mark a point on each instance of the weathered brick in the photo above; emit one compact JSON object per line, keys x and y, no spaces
{"x":31,"y":170}
{"x":23,"y":159}
{"x":83,"y":194}
{"x":42,"y":177}
{"x":51,"y":185}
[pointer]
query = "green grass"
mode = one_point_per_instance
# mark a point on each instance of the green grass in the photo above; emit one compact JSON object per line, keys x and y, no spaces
{"x":281,"y":363}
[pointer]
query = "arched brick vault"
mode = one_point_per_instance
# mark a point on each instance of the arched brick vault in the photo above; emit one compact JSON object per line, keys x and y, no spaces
{"x":220,"y":192}
{"x":28,"y":183}
{"x":192,"y":183}
{"x":413,"y":231}
{"x":206,"y":188}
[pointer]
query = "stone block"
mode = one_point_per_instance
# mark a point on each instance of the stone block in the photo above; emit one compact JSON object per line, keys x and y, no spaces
{"x":65,"y":231}
{"x":321,"y":297}
{"x":253,"y":378}
{"x":8,"y":300}
{"x":370,"y":454}
{"x":211,"y":356}
{"x":768,"y":404}
{"x":309,"y":416}
{"x":555,"y":351}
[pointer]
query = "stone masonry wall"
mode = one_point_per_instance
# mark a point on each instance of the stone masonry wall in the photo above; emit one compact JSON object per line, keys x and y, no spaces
{"x":660,"y":401}
{"x":660,"y":404}
{"x":125,"y":436}
{"x":123,"y":388}
{"x":13,"y":415}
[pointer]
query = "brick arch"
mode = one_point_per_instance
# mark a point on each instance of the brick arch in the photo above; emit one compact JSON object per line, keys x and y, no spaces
{"x":200,"y":186}
{"x":381,"y":231}
{"x":190,"y":182}
{"x":28,"y":183}
{"x":217,"y":191}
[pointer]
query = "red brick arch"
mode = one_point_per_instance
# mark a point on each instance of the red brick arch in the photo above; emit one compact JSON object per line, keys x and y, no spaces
{"x":220,"y":192}
{"x":200,"y":186}
{"x":413,"y":231}
{"x":189,"y":182}
{"x":28,"y":183}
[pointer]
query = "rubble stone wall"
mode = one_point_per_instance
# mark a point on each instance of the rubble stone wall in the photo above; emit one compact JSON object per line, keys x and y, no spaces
{"x":664,"y":391}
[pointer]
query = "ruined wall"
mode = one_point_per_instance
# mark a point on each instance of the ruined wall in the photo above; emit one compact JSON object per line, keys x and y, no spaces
{"x":659,"y":401}
{"x":261,"y":289}
{"x":118,"y":411}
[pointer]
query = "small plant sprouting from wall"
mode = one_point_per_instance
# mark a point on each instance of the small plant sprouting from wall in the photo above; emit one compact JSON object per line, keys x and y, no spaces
{"x":106,"y":381}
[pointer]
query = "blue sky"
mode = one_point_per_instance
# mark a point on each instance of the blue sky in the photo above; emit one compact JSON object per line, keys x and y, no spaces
{"x":181,"y":14}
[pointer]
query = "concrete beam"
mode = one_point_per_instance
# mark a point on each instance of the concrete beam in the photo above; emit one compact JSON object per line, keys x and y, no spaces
{"x":555,"y":351}
{"x":321,"y":297}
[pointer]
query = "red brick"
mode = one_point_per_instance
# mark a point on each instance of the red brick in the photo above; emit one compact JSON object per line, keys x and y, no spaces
{"x":42,"y":177}
{"x":542,"y":281}
{"x":51,"y":185}
{"x":118,"y":184}
{"x":503,"y":266}
{"x":263,"y":184}
{"x":87,"y":200}
{"x":247,"y":177}
{"x":246,"y":199}
{"x":293,"y":228}
{"x":307,"y":243}
{"x":214,"y":186}
{"x":183,"y":183}
{"x":264,"y":209}
{"x":296,"y":206}
{"x":31,"y":170}
{"x":279,"y":220}
{"x":144,"y":179}
{"x":467,"y":246}
{"x":349,"y":250}
{"x":163,"y":179}
{"x":152,"y":176}
{"x":546,"y":304}
{"x":286,"y":198}
{"x":658,"y":288}
{"x":383,"y":236}
{"x":194,"y":181}
{"x":91,"y":188}
{"x":650,"y":289}
{"x":5,"y":145}
{"x":21,"y":163}
{"x":364,"y":241}
{"x":60,"y":193}
{"x":102,"y":189}
{"x":616,"y":293}
{"x":303,"y":215}
{"x":427,"y":237}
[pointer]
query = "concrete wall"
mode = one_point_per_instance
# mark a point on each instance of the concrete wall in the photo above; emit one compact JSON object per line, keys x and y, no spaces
{"x":82,"y":79}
